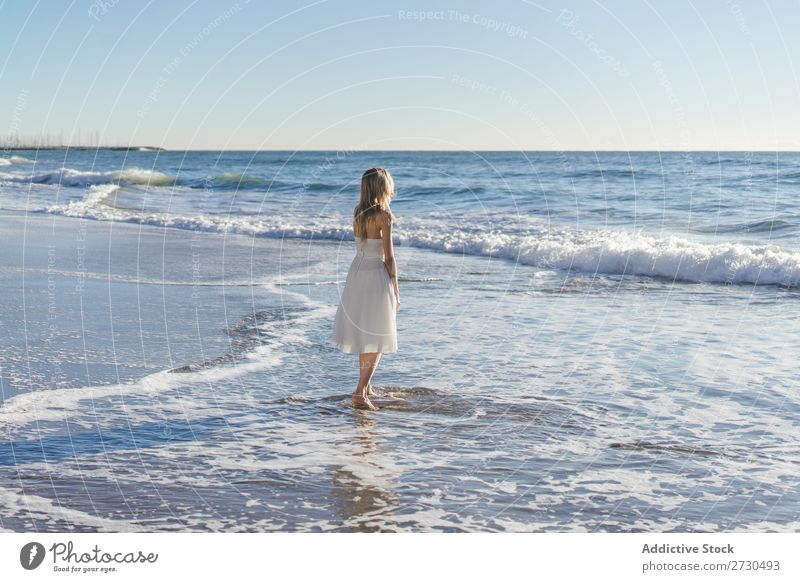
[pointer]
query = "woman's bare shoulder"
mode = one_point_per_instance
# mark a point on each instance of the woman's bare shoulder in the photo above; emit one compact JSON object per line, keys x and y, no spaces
{"x":385,"y":216}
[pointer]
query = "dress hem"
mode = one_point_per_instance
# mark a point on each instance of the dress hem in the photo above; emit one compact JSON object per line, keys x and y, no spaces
{"x":369,"y":348}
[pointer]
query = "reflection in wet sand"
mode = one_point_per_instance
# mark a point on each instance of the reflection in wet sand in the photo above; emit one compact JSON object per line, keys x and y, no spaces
{"x":363,"y":500}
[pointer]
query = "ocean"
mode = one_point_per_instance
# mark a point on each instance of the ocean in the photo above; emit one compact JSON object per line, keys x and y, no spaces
{"x":588,"y":341}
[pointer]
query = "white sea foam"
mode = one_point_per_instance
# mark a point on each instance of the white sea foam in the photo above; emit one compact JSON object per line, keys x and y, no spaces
{"x":610,"y":252}
{"x":69,"y":177}
{"x":60,"y":404}
{"x":95,"y":196}
{"x":620,"y":252}
{"x":14,"y":160}
{"x":25,"y":506}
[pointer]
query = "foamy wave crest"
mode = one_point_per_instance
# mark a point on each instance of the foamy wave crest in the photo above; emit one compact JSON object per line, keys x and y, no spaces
{"x":599,"y":252}
{"x":626,"y":253}
{"x":14,"y":160}
{"x":95,"y":196}
{"x":95,"y":206}
{"x":70,"y":177}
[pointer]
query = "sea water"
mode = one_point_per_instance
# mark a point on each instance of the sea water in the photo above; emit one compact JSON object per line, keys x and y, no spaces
{"x":587,"y":342}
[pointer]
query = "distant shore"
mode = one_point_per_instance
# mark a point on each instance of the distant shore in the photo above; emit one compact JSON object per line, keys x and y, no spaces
{"x":86,"y":148}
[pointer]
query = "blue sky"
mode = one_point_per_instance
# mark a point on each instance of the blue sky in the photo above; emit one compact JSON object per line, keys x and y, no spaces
{"x":508,"y":75}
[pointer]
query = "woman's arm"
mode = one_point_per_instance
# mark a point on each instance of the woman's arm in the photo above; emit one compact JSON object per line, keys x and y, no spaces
{"x":388,"y":253}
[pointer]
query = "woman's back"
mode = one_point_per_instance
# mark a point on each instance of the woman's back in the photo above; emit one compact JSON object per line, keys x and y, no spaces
{"x":374,"y":224}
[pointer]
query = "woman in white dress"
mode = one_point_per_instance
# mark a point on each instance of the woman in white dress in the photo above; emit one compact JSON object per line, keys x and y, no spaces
{"x":365,"y":319}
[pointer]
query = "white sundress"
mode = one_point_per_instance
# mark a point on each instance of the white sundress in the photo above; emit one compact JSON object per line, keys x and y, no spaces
{"x":365,"y":320}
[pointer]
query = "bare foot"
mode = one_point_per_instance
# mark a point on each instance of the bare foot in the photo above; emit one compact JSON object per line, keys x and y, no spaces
{"x":370,"y":391}
{"x":363,"y":402}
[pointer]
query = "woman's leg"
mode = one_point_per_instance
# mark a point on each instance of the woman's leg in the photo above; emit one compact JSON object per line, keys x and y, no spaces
{"x":368,"y":385}
{"x":368,"y":361}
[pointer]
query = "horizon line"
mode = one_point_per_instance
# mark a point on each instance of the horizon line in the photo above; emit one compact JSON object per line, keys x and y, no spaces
{"x":161,"y":149}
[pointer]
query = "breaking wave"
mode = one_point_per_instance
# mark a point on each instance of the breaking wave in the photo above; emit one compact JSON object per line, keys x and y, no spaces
{"x":610,"y":252}
{"x":68,"y":177}
{"x":78,"y":178}
{"x":14,"y":160}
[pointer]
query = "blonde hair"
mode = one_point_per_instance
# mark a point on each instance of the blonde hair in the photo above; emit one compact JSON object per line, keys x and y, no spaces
{"x":377,"y":189}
